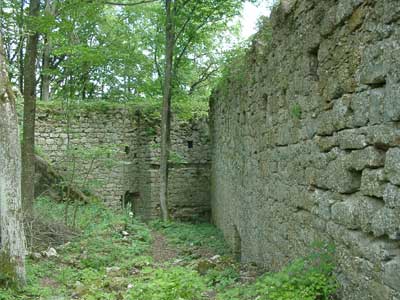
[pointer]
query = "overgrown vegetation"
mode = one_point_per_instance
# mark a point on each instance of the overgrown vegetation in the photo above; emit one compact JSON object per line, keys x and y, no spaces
{"x":149,"y":109}
{"x":309,"y":278}
{"x":111,"y":258}
{"x":237,"y":61}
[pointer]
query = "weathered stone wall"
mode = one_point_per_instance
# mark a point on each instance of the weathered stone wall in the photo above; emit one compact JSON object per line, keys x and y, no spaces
{"x":125,"y":147}
{"x":306,"y":142}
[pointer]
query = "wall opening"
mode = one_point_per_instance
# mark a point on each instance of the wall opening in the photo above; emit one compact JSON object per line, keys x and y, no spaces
{"x":190,"y":144}
{"x":314,"y":64}
{"x":127,"y":150}
{"x":129,"y":200}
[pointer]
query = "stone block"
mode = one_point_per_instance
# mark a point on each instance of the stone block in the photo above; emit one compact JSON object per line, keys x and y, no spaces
{"x":323,"y":201}
{"x":373,"y":70}
{"x":368,"y":207}
{"x":360,"y":108}
{"x":391,"y":274}
{"x":356,"y":212}
{"x":345,"y":213}
{"x":351,"y":139}
{"x":340,"y":178}
{"x":392,"y":165}
{"x":386,"y":221}
{"x":369,"y":157}
{"x":326,"y":143}
{"x":376,"y":103}
{"x":391,"y":195}
{"x":372,"y":182}
{"x":384,"y":136}
{"x":392,"y":101}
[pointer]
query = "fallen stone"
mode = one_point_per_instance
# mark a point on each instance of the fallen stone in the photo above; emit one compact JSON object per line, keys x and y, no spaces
{"x":50,"y":252}
{"x":204,"y":266}
{"x":112,"y":269}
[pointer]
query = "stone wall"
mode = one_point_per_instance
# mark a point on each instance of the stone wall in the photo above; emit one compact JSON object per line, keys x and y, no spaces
{"x":306,"y":142}
{"x":116,"y":153}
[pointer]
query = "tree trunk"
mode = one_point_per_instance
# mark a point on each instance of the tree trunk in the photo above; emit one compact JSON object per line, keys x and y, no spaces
{"x":166,"y":110}
{"x":45,"y":77}
{"x":28,"y":141}
{"x":11,"y":223}
{"x":45,"y":88}
{"x":50,"y":10}
{"x":21,"y":50}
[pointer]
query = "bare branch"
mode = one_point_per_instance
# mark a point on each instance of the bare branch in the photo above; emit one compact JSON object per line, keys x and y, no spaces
{"x":206,"y":74}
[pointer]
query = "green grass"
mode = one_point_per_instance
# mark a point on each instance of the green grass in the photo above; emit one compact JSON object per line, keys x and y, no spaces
{"x":102,"y":264}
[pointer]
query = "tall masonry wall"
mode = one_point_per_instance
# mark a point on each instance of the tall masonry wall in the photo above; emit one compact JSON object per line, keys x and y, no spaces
{"x":115,"y":152}
{"x":306,"y":142}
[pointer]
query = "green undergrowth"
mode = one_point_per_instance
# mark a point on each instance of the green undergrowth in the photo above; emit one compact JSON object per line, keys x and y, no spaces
{"x":150,"y":109}
{"x":111,"y":258}
{"x":309,"y":278}
{"x":8,"y":275}
{"x":193,"y":235}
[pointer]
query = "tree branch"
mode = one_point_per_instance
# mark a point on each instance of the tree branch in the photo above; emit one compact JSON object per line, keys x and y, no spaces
{"x":186,"y":22}
{"x":203,"y":77}
{"x":183,"y":51}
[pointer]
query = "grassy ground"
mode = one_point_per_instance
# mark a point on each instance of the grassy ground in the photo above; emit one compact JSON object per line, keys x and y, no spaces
{"x":112,"y":256}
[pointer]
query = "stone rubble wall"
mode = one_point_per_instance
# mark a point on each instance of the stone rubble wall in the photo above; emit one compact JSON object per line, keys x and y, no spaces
{"x":125,"y":145}
{"x":306,"y":143}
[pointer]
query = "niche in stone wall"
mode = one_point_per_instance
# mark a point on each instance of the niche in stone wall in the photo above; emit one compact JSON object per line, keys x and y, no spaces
{"x":313,"y":61}
{"x":190,"y":144}
{"x":130,"y":200}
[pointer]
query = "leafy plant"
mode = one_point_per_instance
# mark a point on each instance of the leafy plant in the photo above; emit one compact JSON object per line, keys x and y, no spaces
{"x":296,"y":111}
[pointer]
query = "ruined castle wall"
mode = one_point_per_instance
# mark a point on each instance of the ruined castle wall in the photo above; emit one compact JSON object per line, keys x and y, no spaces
{"x":115,"y":152}
{"x":306,"y":142}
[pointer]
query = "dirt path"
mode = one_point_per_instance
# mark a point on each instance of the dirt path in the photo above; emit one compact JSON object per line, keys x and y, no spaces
{"x":161,"y":250}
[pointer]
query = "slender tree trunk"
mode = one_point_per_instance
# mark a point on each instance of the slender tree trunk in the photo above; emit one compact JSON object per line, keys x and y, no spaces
{"x":28,"y":141}
{"x":21,"y":49}
{"x":45,"y":87}
{"x":166,"y":110}
{"x":11,"y":223}
{"x":50,"y":9}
